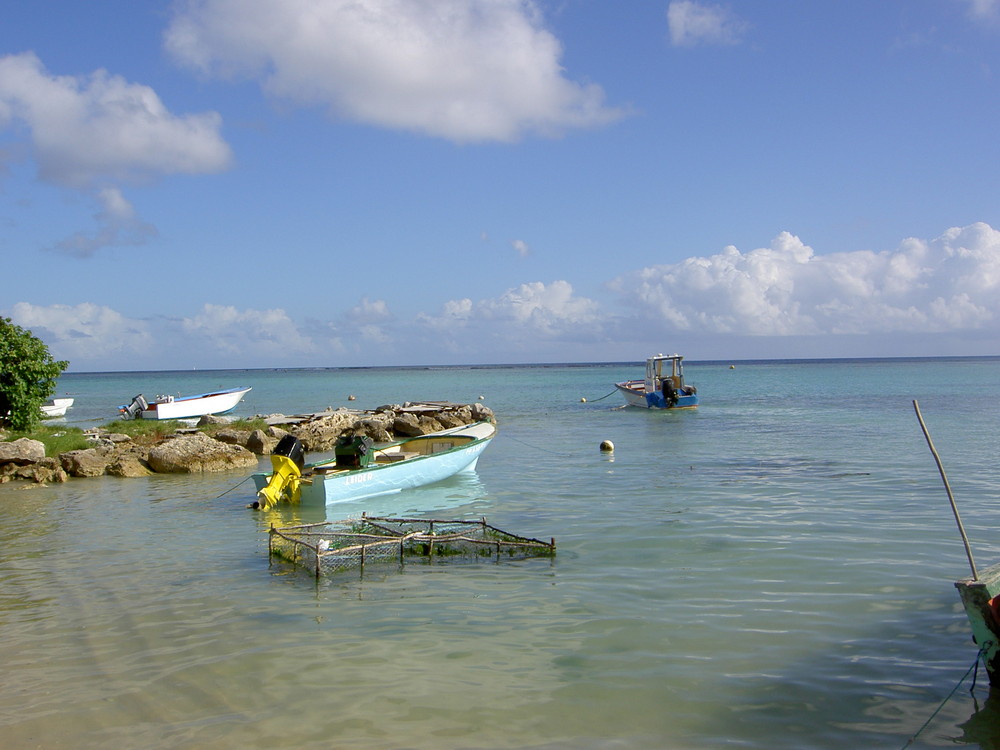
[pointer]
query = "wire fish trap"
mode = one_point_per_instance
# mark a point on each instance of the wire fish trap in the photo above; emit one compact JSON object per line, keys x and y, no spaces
{"x":333,"y":546}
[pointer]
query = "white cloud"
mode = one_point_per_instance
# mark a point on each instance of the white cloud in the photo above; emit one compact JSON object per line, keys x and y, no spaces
{"x":693,"y":23}
{"x":246,"y":333}
{"x":86,"y":331}
{"x":90,"y":133}
{"x":118,"y":225}
{"x":531,"y":308}
{"x":950,"y":283}
{"x":778,"y":301}
{"x":521,"y":247}
{"x":464,"y":70}
{"x":984,"y":10}
{"x":91,"y":129}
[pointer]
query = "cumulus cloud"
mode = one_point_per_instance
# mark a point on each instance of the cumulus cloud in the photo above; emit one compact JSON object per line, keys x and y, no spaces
{"x":83,"y":332}
{"x":246,"y":333}
{"x":533,"y":307}
{"x":87,"y":130}
{"x":464,"y":70}
{"x":950,"y":283}
{"x":92,"y":133}
{"x":692,"y":23}
{"x":521,"y":248}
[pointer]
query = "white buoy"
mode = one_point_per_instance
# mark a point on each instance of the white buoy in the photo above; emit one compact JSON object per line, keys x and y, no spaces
{"x":607,"y":446}
{"x":583,"y":400}
{"x":481,"y":397}
{"x":350,"y":398}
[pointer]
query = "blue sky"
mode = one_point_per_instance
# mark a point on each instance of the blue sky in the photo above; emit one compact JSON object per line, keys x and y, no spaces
{"x":292,"y":183}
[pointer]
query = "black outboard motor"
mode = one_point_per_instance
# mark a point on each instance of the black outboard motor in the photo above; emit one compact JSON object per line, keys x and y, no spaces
{"x":291,"y":447}
{"x":669,"y":393}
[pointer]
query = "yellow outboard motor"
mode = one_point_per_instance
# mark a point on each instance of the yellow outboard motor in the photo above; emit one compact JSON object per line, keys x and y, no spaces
{"x":287,"y":462}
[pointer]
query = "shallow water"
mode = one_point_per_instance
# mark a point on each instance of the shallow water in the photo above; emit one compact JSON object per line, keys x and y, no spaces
{"x":773,"y":570}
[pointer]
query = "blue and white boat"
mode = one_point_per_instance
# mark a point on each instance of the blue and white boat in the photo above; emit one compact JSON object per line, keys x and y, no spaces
{"x":184,"y":407}
{"x":663,"y":386}
{"x":363,"y":469}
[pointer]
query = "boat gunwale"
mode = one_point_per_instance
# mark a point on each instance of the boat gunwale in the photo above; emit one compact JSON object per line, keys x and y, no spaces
{"x":456,"y":432}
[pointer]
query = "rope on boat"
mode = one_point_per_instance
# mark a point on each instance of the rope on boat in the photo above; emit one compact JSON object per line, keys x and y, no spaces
{"x":974,"y":667}
{"x":236,"y":487}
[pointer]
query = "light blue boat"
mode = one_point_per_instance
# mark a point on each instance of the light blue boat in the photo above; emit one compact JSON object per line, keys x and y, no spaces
{"x":662,"y":388}
{"x":361,"y":469}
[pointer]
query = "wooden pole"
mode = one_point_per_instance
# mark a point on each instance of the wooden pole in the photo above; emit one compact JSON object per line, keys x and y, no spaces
{"x":947,"y":487}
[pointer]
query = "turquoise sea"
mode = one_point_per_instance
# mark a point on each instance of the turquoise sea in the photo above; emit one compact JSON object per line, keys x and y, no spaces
{"x":774,"y":570}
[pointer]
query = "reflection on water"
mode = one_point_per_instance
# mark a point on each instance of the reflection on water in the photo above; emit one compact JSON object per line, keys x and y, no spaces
{"x":983,"y":727}
{"x":767,"y":572}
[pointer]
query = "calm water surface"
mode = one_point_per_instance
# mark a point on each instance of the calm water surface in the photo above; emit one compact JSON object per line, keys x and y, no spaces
{"x":773,"y":570}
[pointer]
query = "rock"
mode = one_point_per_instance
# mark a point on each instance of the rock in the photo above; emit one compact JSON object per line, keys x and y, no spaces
{"x":455,"y":417}
{"x":131,"y":462}
{"x":46,"y":471}
{"x":321,"y":434}
{"x":482,"y":413}
{"x":412,"y":425}
{"x":88,"y":462}
{"x":22,"y":451}
{"x":208,"y":419}
{"x":260,"y":443}
{"x":197,"y":453}
{"x":376,"y":428}
{"x":232,"y":437}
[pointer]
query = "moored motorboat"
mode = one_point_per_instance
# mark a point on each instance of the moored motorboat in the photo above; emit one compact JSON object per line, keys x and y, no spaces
{"x":56,"y":407}
{"x":361,"y":469}
{"x":663,"y":386}
{"x":184,"y":407}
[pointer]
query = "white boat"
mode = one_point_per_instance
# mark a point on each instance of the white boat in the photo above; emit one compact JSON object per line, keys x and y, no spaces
{"x":56,"y":407}
{"x":660,"y":389}
{"x":363,"y":469}
{"x":184,"y":407}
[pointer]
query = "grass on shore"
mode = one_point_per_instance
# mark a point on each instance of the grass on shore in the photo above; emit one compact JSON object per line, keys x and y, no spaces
{"x":61,"y":439}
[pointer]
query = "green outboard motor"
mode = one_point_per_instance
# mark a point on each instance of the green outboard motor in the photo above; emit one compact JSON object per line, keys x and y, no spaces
{"x":353,"y":451}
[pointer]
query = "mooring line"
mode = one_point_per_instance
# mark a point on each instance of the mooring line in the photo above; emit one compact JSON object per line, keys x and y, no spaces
{"x":535,"y":447}
{"x":975,"y":666}
{"x":595,"y":400}
{"x":237,"y":486}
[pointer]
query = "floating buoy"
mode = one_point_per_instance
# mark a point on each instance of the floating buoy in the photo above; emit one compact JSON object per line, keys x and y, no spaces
{"x":350,"y":398}
{"x":583,"y":400}
{"x":607,"y":446}
{"x":482,"y":397}
{"x":732,"y":367}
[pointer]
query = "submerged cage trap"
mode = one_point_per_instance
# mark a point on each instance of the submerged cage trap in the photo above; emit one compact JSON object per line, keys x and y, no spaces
{"x":333,"y":546}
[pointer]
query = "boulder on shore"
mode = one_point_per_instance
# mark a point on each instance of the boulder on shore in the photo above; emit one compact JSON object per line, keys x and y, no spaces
{"x":184,"y":452}
{"x":198,"y":453}
{"x":22,"y":451}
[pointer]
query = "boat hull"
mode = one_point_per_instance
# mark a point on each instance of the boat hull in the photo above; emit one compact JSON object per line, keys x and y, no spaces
{"x":635,"y":394}
{"x":187,"y":407}
{"x":57,"y":408}
{"x":326,"y":485}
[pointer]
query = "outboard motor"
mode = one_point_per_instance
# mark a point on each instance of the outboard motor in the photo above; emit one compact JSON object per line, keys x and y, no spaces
{"x":138,"y":405}
{"x":291,"y":447}
{"x":287,"y":463}
{"x":353,"y":451}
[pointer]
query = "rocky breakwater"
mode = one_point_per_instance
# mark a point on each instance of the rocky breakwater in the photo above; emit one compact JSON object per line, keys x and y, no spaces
{"x":215,"y":446}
